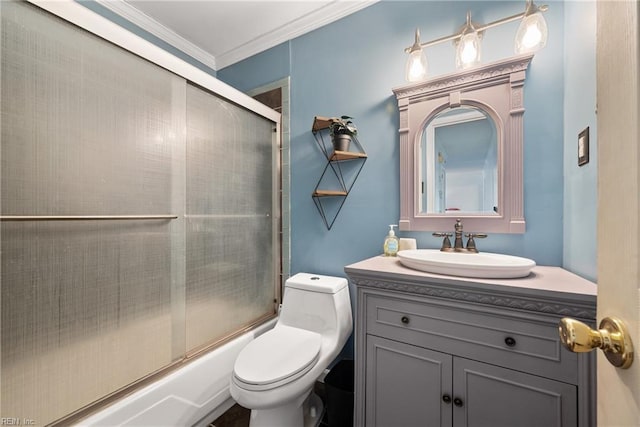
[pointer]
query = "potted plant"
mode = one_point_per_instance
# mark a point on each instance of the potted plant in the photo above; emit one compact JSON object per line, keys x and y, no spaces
{"x":342,"y":130}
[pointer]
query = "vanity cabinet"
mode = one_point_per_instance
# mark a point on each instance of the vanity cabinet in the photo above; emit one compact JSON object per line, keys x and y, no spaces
{"x":410,"y":385}
{"x":434,"y":350}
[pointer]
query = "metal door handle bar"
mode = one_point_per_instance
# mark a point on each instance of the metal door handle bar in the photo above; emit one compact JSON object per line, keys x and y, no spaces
{"x":85,"y":217}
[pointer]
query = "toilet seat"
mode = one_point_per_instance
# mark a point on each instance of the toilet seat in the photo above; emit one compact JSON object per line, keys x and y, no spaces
{"x":276,"y":358}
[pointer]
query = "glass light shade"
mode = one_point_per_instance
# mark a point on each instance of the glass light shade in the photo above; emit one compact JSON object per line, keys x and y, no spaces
{"x":468,"y":50}
{"x":416,"y":68}
{"x":532,"y":34}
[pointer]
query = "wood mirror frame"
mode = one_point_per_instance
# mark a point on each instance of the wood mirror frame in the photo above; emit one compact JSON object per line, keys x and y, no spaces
{"x":497,"y":89}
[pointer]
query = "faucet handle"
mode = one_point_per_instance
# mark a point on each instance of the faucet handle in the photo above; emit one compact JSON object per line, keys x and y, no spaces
{"x":478,"y":235}
{"x":471,"y":244}
{"x":446,"y":243}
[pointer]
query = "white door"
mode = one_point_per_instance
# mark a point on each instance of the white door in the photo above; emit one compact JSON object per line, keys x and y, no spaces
{"x":618,"y":100}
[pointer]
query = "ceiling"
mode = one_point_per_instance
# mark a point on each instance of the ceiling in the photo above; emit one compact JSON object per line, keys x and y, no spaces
{"x":219,"y":33}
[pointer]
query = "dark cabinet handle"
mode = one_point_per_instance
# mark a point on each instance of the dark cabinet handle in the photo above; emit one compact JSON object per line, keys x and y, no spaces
{"x":510,"y":341}
{"x":457,"y":401}
{"x":405,"y":320}
{"x":446,"y":398}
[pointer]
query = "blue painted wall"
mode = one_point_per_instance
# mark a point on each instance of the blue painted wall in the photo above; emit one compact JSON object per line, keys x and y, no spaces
{"x":349,"y":67}
{"x":580,"y":182}
{"x":260,"y":69}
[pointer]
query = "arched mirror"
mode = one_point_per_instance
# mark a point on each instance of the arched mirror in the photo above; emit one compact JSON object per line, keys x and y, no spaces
{"x":458,"y":163}
{"x":461,"y":139}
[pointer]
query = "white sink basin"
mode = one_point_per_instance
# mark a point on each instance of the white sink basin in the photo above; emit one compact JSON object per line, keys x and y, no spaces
{"x":481,"y":265}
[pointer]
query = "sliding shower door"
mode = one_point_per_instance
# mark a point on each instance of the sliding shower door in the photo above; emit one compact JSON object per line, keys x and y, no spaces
{"x":137,"y":217}
{"x":230,"y":227}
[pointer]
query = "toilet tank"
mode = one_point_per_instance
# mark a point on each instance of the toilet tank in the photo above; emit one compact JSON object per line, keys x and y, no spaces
{"x":316,"y":303}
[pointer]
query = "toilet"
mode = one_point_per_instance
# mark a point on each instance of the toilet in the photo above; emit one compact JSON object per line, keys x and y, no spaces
{"x":274,"y":374}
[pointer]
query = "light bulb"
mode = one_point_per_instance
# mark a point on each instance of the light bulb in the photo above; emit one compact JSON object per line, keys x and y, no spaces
{"x":531,"y":37}
{"x":416,"y":68}
{"x":532,"y":34}
{"x":468,"y":50}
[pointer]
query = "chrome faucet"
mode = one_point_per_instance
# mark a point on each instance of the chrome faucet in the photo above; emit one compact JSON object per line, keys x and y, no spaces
{"x":457,"y":243}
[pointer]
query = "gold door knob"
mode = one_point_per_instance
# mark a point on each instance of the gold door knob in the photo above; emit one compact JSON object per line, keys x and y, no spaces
{"x":612,"y":337}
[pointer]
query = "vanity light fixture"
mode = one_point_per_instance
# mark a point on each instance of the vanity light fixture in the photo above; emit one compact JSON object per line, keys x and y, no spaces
{"x":468,"y":45}
{"x":532,"y":33}
{"x":416,"y":69}
{"x":530,"y":37}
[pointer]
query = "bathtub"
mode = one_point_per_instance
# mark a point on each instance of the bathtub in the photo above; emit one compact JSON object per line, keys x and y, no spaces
{"x":194,"y":395}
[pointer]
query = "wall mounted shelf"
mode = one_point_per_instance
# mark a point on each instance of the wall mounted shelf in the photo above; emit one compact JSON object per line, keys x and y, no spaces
{"x":333,"y":188}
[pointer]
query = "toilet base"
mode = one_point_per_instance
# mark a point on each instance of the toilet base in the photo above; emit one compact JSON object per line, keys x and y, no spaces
{"x":313,"y":410}
{"x":292,"y":414}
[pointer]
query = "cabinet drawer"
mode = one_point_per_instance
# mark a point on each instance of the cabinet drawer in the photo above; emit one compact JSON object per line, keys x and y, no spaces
{"x":494,"y":336}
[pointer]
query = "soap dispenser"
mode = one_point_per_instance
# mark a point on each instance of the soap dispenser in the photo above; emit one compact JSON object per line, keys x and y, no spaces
{"x":391,"y":242}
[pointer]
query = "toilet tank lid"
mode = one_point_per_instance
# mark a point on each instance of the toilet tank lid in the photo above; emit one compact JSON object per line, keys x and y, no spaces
{"x":316,"y":283}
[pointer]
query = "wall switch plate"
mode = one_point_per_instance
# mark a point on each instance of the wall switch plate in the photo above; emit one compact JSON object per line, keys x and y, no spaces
{"x":583,"y":147}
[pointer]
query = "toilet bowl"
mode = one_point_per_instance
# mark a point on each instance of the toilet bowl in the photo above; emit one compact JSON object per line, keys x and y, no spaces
{"x":274,"y":374}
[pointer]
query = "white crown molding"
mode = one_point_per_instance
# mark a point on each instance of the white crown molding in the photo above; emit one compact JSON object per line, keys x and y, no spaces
{"x":316,"y":19}
{"x":135,"y":16}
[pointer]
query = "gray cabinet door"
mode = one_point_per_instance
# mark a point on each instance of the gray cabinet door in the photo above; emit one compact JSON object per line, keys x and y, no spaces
{"x":405,"y":385}
{"x":490,"y":396}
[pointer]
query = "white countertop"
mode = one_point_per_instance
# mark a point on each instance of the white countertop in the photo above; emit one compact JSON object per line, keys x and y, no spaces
{"x":542,"y":280}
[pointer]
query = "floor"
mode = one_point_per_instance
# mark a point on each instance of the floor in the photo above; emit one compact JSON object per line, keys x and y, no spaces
{"x":237,"y":416}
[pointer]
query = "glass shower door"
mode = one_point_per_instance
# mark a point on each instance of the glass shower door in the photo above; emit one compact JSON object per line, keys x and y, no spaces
{"x":230,"y":229}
